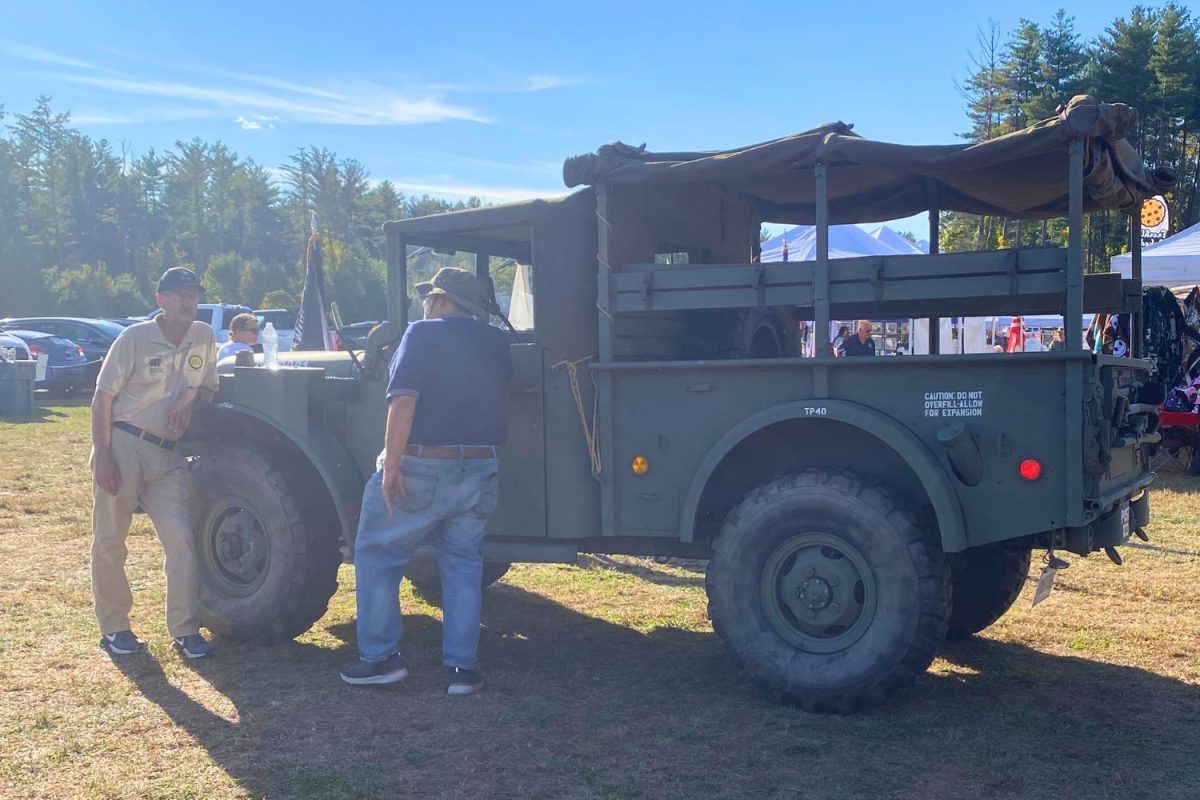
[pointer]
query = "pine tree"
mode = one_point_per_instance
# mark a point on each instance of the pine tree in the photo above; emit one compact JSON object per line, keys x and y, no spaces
{"x":984,"y":91}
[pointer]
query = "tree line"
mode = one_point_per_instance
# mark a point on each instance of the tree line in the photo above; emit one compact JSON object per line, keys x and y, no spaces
{"x":1149,"y":59}
{"x":86,"y":229}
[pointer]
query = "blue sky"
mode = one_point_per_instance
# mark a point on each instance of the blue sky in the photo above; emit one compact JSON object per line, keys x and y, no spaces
{"x":489,"y":98}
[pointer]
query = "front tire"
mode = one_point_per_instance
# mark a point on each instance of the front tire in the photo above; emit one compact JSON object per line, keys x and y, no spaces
{"x":268,"y":563}
{"x":827,"y":591}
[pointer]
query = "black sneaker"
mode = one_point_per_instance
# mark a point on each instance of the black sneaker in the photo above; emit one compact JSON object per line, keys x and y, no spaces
{"x":193,"y":646}
{"x":463,"y":681}
{"x":121,"y":643}
{"x":365,"y":673}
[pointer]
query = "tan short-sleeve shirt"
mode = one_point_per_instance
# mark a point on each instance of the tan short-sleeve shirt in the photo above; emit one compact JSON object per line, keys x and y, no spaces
{"x":145,"y":372}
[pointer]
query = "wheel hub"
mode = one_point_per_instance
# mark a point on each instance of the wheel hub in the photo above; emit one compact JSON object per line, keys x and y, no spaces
{"x":818,"y":592}
{"x":236,"y":549}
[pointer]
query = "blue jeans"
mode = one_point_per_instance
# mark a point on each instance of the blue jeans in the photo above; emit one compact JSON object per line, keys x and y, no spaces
{"x":447,"y":502}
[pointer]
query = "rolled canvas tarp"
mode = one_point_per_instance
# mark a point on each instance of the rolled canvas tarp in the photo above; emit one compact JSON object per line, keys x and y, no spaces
{"x":1020,"y":175}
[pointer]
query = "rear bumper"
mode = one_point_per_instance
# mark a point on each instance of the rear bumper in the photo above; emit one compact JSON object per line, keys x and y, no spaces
{"x":1128,"y":513}
{"x":67,"y":377}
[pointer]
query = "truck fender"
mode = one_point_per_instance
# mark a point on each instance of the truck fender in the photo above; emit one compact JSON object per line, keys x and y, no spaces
{"x":925,"y":464}
{"x":328,"y":457}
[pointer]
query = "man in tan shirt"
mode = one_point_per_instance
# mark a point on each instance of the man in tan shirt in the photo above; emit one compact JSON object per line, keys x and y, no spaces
{"x":147,"y":387}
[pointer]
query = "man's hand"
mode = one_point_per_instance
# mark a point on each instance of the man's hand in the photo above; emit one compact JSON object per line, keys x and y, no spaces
{"x":180,"y":414}
{"x":393,"y":486}
{"x":108,"y":474}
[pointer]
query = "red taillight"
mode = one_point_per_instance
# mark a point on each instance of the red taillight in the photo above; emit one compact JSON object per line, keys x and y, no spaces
{"x":35,"y":350}
{"x":79,"y":351}
{"x":1030,"y":469}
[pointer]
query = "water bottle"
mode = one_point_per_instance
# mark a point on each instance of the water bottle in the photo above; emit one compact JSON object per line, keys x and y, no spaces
{"x":270,"y":342}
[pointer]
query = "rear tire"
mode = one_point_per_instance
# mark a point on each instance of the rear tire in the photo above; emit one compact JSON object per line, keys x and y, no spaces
{"x":268,"y":562}
{"x":828,"y":592}
{"x":987,"y":581}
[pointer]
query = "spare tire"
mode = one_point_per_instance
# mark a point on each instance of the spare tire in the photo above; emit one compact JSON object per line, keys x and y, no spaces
{"x":767,"y":332}
{"x":987,"y":581}
{"x":425,"y":578}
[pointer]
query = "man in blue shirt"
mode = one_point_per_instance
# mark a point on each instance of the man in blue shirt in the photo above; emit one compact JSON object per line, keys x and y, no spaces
{"x":436,"y":481}
{"x":861,"y":344}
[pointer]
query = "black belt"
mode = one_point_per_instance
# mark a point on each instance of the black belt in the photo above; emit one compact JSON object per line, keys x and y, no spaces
{"x":450,"y":451}
{"x":165,"y":444}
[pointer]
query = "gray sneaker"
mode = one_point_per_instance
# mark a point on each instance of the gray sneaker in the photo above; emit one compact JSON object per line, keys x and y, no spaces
{"x":193,"y":646}
{"x":121,"y":643}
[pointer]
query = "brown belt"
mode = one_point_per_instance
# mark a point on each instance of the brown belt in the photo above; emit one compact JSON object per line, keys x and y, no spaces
{"x":450,"y":451}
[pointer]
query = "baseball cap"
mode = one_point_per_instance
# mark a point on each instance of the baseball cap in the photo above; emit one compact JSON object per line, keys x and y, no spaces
{"x":177,"y":278}
{"x":463,"y":288}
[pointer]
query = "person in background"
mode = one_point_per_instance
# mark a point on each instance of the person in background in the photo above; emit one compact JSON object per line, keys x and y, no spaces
{"x":243,"y":335}
{"x":1057,"y":343}
{"x":148,"y":385}
{"x":436,"y":480}
{"x":836,"y":345}
{"x":861,"y":344}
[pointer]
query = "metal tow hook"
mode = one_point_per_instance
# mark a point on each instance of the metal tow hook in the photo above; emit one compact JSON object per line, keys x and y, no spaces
{"x":1141,"y":534}
{"x":1113,"y":555}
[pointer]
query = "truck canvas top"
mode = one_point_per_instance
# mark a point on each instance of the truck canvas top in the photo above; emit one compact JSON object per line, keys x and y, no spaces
{"x":1020,"y":175}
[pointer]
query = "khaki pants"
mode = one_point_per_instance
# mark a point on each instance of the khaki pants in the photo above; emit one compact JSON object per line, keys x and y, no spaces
{"x":159,"y":481}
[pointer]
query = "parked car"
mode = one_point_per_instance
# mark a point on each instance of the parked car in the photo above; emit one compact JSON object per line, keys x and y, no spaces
{"x":353,"y":336}
{"x":95,"y":336}
{"x":65,"y":365}
{"x":10,"y":342}
{"x":215,"y":315}
{"x":284,"y":322}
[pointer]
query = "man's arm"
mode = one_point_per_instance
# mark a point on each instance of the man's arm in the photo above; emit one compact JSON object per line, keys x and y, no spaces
{"x":401,"y":410}
{"x":108,"y":474}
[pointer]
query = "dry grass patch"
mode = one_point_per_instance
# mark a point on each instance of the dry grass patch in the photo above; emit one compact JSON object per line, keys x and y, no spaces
{"x":605,"y":681}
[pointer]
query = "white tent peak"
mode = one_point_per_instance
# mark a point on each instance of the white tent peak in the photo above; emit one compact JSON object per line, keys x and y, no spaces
{"x":845,"y":241}
{"x":1175,"y":261}
{"x":895,"y":241}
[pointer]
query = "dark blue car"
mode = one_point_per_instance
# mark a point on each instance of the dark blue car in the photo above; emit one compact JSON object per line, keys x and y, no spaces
{"x":65,"y":366}
{"x":95,"y":336}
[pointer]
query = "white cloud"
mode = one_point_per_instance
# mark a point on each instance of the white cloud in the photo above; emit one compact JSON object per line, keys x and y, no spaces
{"x":248,"y":124}
{"x":260,"y":98}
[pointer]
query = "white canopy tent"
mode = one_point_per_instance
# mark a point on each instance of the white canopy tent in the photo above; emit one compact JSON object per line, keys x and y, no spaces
{"x":1175,"y":261}
{"x":845,"y":241}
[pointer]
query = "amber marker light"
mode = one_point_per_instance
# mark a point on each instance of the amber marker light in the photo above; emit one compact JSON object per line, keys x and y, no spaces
{"x":1030,"y":469}
{"x":640,"y":465}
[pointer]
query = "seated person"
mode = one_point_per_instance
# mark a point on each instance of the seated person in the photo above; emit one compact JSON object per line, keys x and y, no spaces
{"x":861,"y":344}
{"x":243,"y":334}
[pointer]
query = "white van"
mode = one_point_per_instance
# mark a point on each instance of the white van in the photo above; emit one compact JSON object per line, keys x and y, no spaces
{"x":217,"y":316}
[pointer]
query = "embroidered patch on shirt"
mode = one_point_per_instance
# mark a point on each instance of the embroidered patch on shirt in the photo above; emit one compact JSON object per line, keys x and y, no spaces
{"x":195,"y":362}
{"x":155,"y":365}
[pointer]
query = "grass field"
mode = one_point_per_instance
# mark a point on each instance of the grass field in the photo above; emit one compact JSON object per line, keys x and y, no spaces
{"x":605,"y":681}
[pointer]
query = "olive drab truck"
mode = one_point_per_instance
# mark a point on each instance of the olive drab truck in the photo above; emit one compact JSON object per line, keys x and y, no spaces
{"x":853,"y":511}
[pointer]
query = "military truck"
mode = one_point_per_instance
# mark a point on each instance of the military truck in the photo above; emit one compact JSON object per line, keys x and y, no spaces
{"x":852,"y":511}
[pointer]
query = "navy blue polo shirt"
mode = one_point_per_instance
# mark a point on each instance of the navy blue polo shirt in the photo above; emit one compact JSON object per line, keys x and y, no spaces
{"x":458,"y":368}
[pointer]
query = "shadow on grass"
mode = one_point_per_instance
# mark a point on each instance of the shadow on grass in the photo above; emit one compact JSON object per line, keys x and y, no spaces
{"x":579,"y":707}
{"x":40,"y":414}
{"x":646,"y":570}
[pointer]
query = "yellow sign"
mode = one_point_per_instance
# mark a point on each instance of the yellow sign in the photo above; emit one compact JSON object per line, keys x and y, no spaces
{"x":1155,"y":218}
